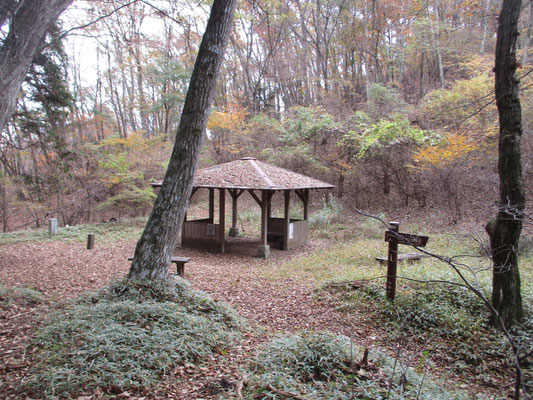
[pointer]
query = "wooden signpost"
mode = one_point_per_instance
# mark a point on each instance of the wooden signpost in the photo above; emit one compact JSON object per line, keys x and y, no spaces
{"x":90,"y":241}
{"x":394,"y":237}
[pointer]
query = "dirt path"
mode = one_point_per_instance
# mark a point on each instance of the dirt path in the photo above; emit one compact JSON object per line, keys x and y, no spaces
{"x":62,"y":270}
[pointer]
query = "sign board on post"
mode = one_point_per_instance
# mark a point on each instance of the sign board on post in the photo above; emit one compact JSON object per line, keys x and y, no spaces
{"x":405,"y":238}
{"x":394,"y":238}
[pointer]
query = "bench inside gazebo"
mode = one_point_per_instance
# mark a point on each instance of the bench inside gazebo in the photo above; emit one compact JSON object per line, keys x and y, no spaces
{"x":262,"y":181}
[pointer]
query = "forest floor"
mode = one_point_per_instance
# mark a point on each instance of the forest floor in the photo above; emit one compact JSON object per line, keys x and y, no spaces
{"x":62,"y":270}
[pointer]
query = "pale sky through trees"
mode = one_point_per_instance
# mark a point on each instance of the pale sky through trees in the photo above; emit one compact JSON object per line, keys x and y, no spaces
{"x":82,"y":44}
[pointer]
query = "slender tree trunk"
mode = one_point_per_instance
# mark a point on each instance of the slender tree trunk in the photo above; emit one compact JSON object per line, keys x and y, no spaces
{"x":156,"y":245}
{"x":27,"y":27}
{"x":527,"y":38}
{"x":143,"y":106}
{"x":4,"y":200}
{"x":422,"y":73}
{"x":485,"y":22}
{"x":504,"y":231}
{"x":436,"y":37}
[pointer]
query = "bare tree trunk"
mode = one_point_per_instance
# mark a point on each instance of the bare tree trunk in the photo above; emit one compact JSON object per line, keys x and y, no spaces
{"x":4,"y":201}
{"x":527,"y":36}
{"x":156,"y":245}
{"x":485,"y":22}
{"x":422,"y":73}
{"x":27,"y":27}
{"x":143,"y":106}
{"x":436,"y":37}
{"x":504,"y":231}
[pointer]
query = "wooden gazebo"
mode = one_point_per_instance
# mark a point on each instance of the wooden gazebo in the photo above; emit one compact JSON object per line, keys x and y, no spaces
{"x":261,"y":181}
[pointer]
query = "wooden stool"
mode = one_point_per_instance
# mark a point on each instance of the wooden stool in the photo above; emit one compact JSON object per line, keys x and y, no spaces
{"x":179,"y":261}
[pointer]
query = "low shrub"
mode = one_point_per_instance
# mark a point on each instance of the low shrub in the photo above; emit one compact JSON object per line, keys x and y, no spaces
{"x":127,"y":337}
{"x":20,"y":295}
{"x":330,"y":212}
{"x":452,"y":319}
{"x":326,"y":367}
{"x":448,"y":311}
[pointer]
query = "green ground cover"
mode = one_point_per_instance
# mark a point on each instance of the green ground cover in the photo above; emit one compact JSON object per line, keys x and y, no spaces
{"x":124,"y":229}
{"x":128,"y":336}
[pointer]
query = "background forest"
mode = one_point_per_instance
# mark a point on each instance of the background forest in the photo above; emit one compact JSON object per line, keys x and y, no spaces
{"x":391,"y":101}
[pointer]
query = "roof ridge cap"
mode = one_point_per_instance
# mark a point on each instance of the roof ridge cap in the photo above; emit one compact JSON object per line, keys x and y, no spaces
{"x":261,"y":173}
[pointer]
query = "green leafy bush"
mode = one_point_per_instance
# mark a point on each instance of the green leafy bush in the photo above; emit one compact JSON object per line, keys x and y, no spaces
{"x":385,"y":133}
{"x":127,"y":336}
{"x":131,"y":199}
{"x":384,"y":101}
{"x":313,"y":357}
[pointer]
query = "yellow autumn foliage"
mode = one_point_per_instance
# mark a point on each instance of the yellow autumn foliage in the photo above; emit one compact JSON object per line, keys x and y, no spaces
{"x":448,"y":151}
{"x":468,"y":108}
{"x":231,"y":119}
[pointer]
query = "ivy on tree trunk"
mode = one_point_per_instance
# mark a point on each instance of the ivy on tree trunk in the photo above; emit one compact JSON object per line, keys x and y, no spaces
{"x":156,"y":245}
{"x":504,"y":231}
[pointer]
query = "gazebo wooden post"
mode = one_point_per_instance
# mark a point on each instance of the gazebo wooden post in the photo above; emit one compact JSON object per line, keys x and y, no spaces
{"x":212,"y":205}
{"x":222,"y":217}
{"x":263,"y":251}
{"x":303,"y":194}
{"x":306,"y":203}
{"x":286,"y":219}
{"x":193,"y":192}
{"x":235,"y":194}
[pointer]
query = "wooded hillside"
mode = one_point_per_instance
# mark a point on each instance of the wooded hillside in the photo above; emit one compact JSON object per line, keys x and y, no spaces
{"x":391,"y":101}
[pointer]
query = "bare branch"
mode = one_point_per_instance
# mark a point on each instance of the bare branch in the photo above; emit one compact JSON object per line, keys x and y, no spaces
{"x":97,"y":19}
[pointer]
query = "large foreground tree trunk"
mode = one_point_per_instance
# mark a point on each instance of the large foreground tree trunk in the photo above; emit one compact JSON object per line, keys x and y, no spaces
{"x":505,"y":230}
{"x":156,"y":245}
{"x":28,"y":22}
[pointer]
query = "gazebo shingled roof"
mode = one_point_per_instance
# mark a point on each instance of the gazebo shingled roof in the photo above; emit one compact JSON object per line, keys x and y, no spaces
{"x":250,"y":173}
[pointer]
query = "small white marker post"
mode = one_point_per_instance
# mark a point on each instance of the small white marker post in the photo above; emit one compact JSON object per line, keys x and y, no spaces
{"x":52,"y":226}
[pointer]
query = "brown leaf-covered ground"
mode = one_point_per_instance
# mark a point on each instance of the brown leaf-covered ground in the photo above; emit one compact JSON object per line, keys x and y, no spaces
{"x":63,"y":270}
